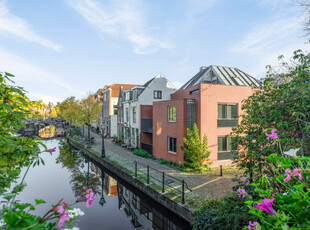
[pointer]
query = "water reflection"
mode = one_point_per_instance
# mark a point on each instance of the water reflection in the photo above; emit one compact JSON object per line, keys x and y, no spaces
{"x":118,"y":205}
{"x":143,"y":212}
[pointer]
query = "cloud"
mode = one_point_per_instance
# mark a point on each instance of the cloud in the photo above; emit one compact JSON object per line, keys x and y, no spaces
{"x":122,"y":19}
{"x":266,"y":41}
{"x":40,"y":83}
{"x":16,"y":26}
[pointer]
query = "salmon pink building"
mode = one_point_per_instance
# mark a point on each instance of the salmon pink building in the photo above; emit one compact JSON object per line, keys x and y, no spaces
{"x":211,"y":99}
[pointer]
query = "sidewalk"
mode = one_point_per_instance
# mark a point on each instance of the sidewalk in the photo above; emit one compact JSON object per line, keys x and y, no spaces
{"x":208,"y":185}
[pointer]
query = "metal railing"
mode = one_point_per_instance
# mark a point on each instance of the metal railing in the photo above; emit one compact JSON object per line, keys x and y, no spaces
{"x":165,"y":180}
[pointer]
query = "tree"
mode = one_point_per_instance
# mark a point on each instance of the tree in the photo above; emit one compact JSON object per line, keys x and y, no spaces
{"x":305,"y":5}
{"x":90,"y":111}
{"x":54,"y":112}
{"x":196,"y":150}
{"x":282,"y":102}
{"x":15,"y":151}
{"x":70,"y":110}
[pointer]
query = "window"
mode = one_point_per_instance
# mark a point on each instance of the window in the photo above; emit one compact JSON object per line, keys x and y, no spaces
{"x":224,"y":149}
{"x":171,"y":225}
{"x":134,"y":114}
{"x":157,"y":94}
{"x":172,"y":144}
{"x":115,"y":109}
{"x":227,"y":115}
{"x":127,"y":115}
{"x":172,"y":113}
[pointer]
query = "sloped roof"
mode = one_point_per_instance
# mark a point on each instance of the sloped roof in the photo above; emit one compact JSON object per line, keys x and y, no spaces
{"x":221,"y":75}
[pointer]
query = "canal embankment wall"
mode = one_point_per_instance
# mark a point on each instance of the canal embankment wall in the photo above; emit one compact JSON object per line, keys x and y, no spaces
{"x":173,"y":206}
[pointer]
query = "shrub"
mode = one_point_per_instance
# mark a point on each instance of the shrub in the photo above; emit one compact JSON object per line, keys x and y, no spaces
{"x":196,"y":150}
{"x":228,"y":213}
{"x":142,"y":153}
{"x":170,"y":163}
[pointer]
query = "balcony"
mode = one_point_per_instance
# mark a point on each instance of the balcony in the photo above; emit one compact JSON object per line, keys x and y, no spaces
{"x":147,"y":125}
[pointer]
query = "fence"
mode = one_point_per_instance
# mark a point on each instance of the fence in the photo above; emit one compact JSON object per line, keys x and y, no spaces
{"x":165,"y":180}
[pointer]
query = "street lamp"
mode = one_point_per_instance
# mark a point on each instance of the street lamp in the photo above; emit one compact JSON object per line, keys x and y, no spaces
{"x":102,"y":149}
{"x":102,"y":200}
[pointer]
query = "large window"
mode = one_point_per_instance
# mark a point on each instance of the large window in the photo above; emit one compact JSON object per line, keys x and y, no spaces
{"x":157,"y":94}
{"x":227,"y":115}
{"x":172,"y":144}
{"x":134,"y":113}
{"x":127,"y":114}
{"x":172,"y":113}
{"x":224,"y":150}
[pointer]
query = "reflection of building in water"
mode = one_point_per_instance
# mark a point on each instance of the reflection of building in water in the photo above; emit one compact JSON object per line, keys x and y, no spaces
{"x":110,"y":185}
{"x":143,"y":216}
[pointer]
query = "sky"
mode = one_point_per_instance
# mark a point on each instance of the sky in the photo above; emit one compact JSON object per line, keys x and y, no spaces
{"x":62,"y":48}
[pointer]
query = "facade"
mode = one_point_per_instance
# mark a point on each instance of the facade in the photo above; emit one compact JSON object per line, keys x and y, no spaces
{"x":211,"y":99}
{"x":110,"y":95}
{"x":135,"y":103}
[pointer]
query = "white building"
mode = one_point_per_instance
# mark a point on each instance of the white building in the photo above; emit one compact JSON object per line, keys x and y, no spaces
{"x":156,"y":89}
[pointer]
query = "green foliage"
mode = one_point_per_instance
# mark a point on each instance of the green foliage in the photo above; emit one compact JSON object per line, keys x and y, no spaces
{"x":70,"y":110}
{"x":229,"y":213}
{"x":170,"y":163}
{"x":142,"y":153}
{"x":292,"y":198}
{"x":196,"y":150}
{"x":15,"y":152}
{"x":281,"y":102}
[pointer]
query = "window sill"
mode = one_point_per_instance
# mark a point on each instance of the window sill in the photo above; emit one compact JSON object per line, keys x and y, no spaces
{"x":172,"y":121}
{"x":172,"y":152}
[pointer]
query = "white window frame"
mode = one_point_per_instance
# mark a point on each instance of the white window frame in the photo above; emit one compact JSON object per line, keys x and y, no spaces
{"x":170,"y":106}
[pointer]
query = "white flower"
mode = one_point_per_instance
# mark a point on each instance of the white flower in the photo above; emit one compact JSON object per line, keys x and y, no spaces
{"x":75,"y":213}
{"x":292,"y":152}
{"x":2,"y":222}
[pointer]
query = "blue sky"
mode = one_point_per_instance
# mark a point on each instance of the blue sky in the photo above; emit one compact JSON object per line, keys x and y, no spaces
{"x":61,"y":48}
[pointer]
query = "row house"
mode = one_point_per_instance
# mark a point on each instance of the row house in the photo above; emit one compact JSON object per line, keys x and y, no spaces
{"x":110,"y":96}
{"x":135,"y":107}
{"x":211,"y":99}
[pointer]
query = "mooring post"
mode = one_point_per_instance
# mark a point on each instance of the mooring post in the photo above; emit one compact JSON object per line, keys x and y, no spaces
{"x":163,"y":185}
{"x":136,"y":169}
{"x":148,"y":175}
{"x":221,"y":170}
{"x":183,"y":192}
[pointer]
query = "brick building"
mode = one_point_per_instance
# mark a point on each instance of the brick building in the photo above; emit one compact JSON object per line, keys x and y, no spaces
{"x":211,"y":99}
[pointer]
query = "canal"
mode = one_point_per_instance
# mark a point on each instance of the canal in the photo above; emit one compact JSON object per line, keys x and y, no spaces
{"x":118,"y":205}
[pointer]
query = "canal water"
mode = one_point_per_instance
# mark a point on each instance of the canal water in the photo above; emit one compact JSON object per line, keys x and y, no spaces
{"x":118,"y":205}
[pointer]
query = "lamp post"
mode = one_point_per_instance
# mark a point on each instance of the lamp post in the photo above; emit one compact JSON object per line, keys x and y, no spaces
{"x":102,"y":149}
{"x":102,"y":200}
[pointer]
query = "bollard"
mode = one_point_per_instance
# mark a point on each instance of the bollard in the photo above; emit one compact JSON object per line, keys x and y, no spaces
{"x":136,"y":169}
{"x":183,"y":193}
{"x":148,"y":175}
{"x":163,"y":185}
{"x":221,"y":170}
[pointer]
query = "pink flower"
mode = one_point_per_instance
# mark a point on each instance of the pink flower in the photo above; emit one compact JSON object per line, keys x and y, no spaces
{"x":273,"y":135}
{"x":64,"y":217}
{"x":252,"y":226}
{"x":241,"y":192}
{"x":64,"y":214}
{"x":297,"y":172}
{"x":51,"y":150}
{"x":266,"y":205}
{"x":288,"y":177}
{"x":89,"y":197}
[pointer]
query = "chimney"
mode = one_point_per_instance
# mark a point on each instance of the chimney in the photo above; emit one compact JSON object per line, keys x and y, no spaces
{"x":203,"y":68}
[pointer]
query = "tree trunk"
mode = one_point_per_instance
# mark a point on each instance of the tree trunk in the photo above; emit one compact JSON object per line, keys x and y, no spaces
{"x":89,"y":132}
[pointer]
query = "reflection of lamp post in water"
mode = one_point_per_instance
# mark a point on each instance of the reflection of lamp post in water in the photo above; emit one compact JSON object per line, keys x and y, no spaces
{"x":102,"y":149}
{"x":102,"y":200}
